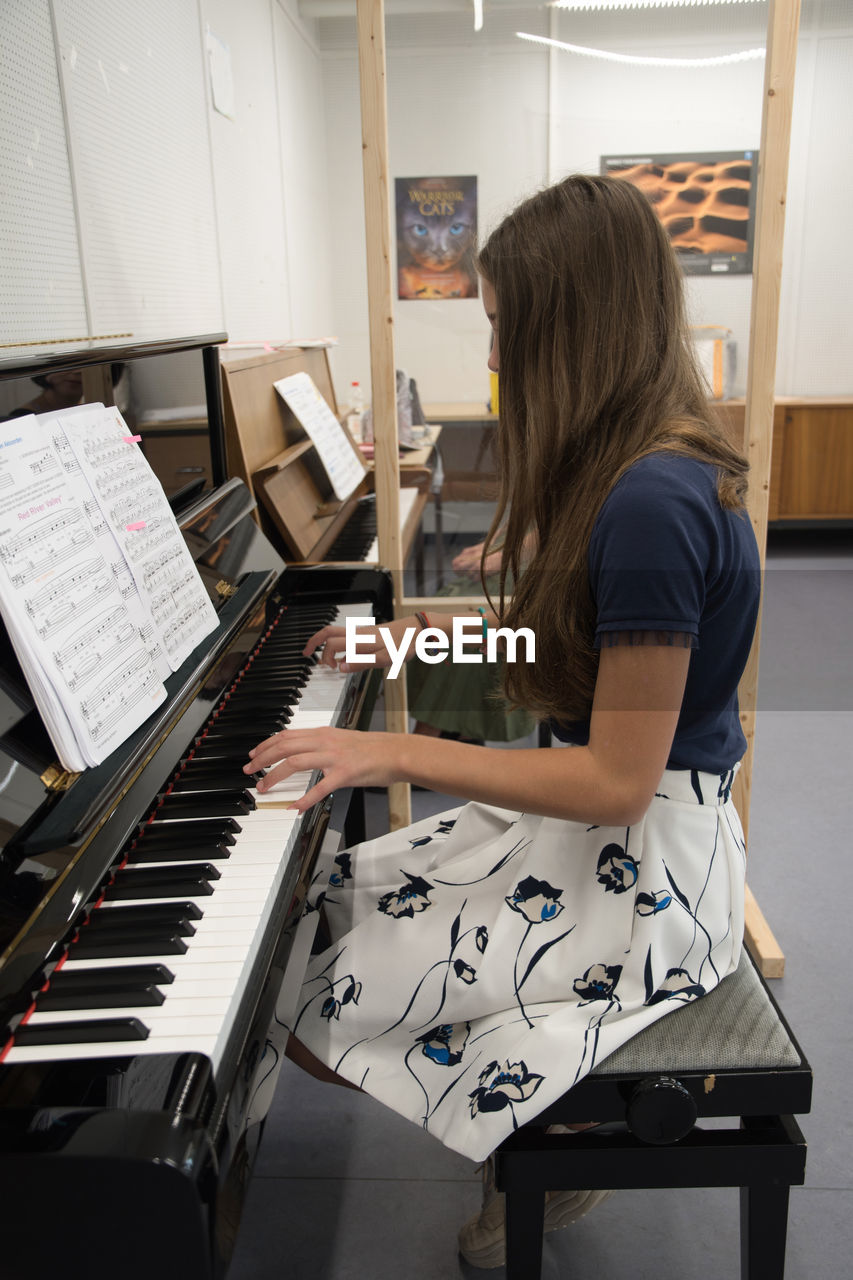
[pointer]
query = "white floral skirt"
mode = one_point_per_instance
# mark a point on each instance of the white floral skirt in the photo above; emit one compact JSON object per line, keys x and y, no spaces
{"x":483,"y":960}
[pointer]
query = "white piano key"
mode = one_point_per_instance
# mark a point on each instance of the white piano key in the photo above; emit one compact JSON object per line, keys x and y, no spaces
{"x":185,"y":966}
{"x":408,"y":498}
{"x":174,"y":1043}
{"x":206,"y":1006}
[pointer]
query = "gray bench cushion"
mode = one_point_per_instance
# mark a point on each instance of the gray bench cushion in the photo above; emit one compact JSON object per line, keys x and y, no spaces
{"x":735,"y":1025}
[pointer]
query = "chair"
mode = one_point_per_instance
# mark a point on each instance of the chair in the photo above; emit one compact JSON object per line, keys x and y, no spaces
{"x":730,"y":1054}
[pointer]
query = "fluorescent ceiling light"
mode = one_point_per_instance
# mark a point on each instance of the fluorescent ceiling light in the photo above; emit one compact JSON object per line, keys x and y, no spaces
{"x":637,"y":4}
{"x":747,"y":55}
{"x":478,"y":15}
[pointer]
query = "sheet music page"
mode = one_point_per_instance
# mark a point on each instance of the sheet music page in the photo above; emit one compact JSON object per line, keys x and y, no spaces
{"x":137,"y":512}
{"x":344,"y":466}
{"x":88,"y":667}
{"x":104,"y":538}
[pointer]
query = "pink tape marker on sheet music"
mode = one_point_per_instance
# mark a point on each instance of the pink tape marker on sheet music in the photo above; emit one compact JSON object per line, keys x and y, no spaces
{"x":131,"y":439}
{"x":131,"y":528}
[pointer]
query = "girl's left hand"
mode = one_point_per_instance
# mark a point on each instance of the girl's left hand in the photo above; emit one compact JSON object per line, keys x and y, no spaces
{"x":346,"y":757}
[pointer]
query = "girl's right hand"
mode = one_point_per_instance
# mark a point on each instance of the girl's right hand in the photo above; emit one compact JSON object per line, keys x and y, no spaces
{"x":332,"y":640}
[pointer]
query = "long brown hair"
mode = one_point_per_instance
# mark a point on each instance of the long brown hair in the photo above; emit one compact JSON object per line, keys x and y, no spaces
{"x":596,"y":371}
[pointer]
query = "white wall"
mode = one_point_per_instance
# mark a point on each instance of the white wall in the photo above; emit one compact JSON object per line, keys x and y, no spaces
{"x":134,"y":206}
{"x":271,"y":194}
{"x":477,"y":128}
{"x":261,"y":216}
{"x":459,"y":104}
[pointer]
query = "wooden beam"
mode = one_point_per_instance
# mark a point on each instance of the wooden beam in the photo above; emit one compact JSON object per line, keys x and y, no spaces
{"x":383,"y":378}
{"x":98,"y":384}
{"x":782,"y":31}
{"x":760,"y":941}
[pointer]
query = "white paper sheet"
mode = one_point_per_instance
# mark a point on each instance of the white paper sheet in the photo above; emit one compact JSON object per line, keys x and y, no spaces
{"x":343,"y":464}
{"x":136,"y":511}
{"x":88,"y":667}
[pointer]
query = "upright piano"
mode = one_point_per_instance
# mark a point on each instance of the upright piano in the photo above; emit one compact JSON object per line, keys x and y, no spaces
{"x":147,"y":916}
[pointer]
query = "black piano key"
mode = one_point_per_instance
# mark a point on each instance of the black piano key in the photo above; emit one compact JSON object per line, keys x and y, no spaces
{"x":226,"y":803}
{"x":190,"y":885}
{"x":131,"y":997}
{"x":147,"y":913}
{"x":238,"y":740}
{"x":114,"y":978}
{"x":103,"y":946}
{"x":196,"y":829}
{"x":194,"y":767}
{"x":96,"y":1031}
{"x":243,"y":701}
{"x":220,"y":750}
{"x":215,"y":850}
{"x":279,"y":674}
{"x":212,"y":780}
{"x":169,"y":875}
{"x":131,"y":936}
{"x":252,"y":718}
{"x":255,"y":706}
{"x":135,"y":930}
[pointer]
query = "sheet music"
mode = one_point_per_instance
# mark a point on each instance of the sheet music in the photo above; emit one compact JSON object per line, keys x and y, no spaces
{"x":89,"y":669}
{"x":55,"y":425}
{"x":137,"y":514}
{"x":343,"y":464}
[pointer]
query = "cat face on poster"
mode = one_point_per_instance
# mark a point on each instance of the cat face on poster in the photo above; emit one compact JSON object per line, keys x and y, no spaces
{"x":441,"y":240}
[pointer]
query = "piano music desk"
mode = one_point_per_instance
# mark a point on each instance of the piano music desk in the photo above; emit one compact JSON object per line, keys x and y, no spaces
{"x":268,"y":449}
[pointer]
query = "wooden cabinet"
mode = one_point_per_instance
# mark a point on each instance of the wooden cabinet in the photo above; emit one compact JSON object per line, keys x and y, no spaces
{"x":811,"y":472}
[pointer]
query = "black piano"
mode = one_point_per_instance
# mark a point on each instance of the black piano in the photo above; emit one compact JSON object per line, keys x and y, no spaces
{"x":147,"y":917}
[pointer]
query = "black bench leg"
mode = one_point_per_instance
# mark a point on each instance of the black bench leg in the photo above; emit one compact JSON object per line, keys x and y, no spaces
{"x":525,"y":1224}
{"x":763,"y":1231}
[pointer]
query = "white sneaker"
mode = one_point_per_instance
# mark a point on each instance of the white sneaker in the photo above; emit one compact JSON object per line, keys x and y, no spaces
{"x":482,"y":1240}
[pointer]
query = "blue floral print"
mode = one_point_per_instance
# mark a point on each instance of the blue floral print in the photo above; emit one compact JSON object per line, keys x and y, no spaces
{"x":445,"y":1044}
{"x":512,"y":953}
{"x":536,"y":900}
{"x":617,"y":870}
{"x":341,"y":871}
{"x":598,"y":982}
{"x":408,"y":900}
{"x":649,"y":904}
{"x":504,"y":1086}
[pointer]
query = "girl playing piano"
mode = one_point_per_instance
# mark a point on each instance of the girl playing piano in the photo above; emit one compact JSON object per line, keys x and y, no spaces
{"x":484,"y":960}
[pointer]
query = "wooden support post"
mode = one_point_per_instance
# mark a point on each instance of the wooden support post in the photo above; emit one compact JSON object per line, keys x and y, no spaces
{"x":383,"y":378}
{"x":98,"y":384}
{"x":782,"y":30}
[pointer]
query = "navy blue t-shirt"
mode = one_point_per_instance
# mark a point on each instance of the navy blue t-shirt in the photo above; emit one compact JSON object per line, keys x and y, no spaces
{"x":665,"y":556}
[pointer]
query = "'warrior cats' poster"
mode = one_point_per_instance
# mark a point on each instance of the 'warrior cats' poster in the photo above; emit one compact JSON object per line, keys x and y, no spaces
{"x":436,"y":237}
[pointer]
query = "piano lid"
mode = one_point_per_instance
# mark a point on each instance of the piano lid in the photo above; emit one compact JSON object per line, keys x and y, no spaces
{"x":37,"y":825}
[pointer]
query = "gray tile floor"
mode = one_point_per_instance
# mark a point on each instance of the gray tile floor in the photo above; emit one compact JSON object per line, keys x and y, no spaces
{"x":345,"y":1190}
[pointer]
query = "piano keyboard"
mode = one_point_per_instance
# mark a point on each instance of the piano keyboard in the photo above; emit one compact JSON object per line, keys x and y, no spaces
{"x":163,"y":960}
{"x":358,"y":540}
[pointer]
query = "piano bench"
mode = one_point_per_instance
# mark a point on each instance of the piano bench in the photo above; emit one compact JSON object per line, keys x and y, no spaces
{"x":730,"y":1054}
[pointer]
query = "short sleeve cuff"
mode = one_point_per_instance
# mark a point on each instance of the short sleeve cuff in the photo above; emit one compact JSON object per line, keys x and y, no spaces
{"x":607,"y":638}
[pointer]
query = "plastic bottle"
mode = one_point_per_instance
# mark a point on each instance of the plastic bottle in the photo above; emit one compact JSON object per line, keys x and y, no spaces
{"x":356,"y":409}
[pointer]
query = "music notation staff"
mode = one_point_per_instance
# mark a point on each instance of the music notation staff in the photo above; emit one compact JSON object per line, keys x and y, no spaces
{"x":140,"y":519}
{"x":58,"y":580}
